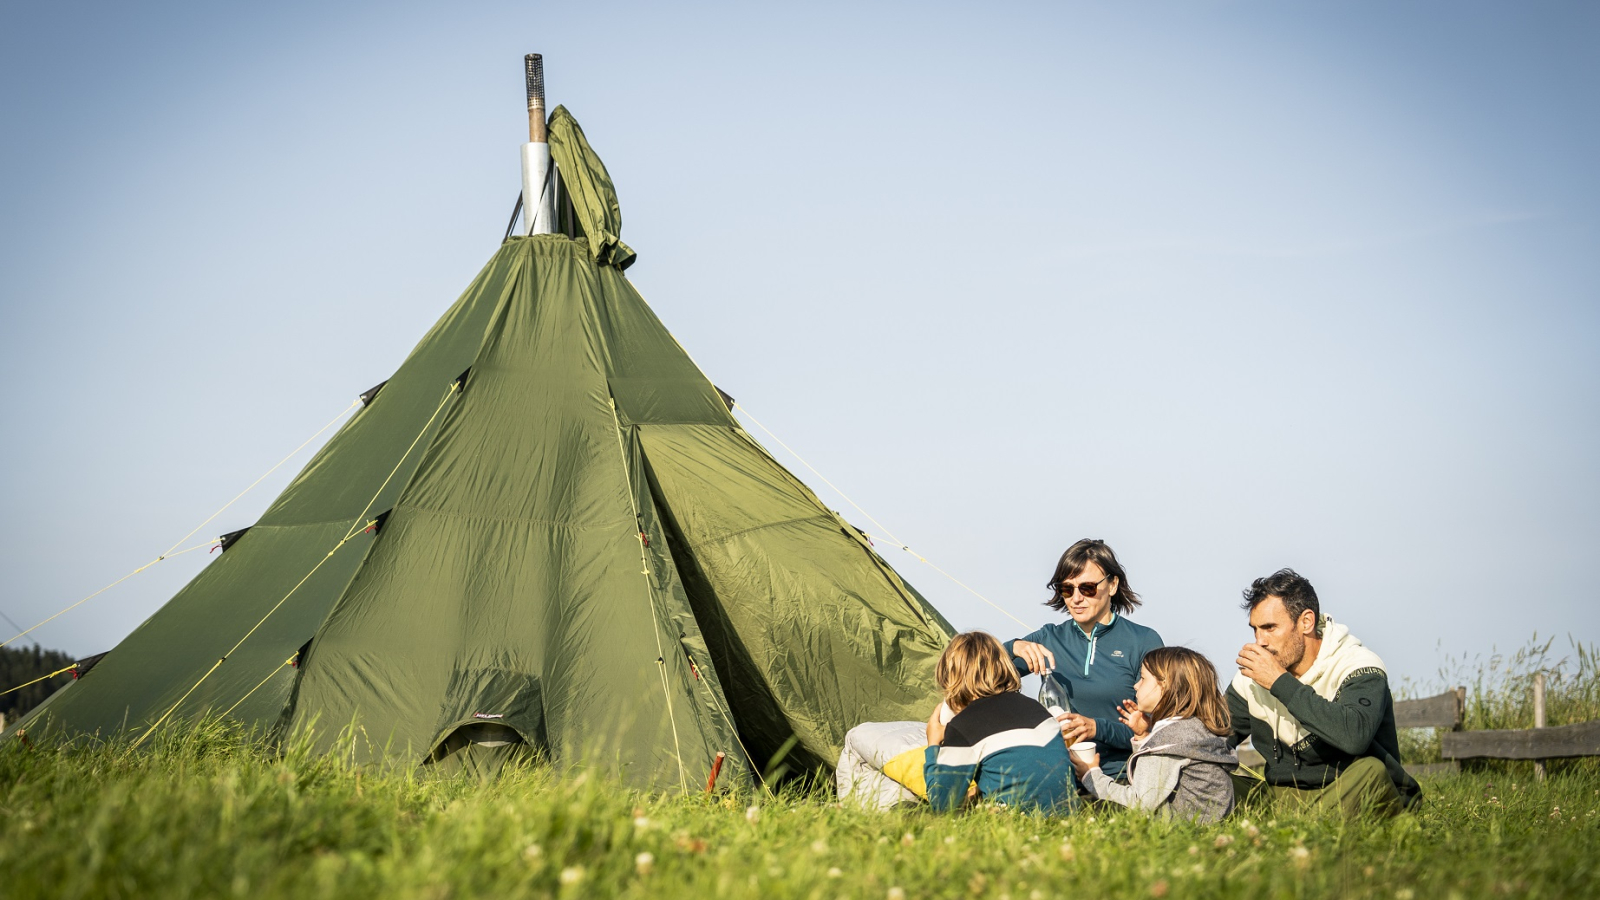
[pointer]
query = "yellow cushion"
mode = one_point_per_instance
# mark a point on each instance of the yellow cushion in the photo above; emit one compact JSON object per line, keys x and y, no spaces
{"x":906,"y":769}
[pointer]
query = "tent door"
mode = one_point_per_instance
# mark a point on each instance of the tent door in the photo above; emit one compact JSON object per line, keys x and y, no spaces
{"x":480,"y":748}
{"x":489,"y":717}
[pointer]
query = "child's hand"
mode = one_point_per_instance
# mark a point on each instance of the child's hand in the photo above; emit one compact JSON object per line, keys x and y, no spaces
{"x":1138,"y":721}
{"x":1083,"y":767}
{"x":935,"y":730}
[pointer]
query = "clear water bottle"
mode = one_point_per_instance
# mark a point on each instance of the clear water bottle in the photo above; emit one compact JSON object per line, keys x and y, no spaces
{"x":1053,"y":696}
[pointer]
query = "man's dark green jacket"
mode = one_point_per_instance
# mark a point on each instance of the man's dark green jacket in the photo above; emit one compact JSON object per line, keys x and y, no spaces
{"x":1357,"y":722}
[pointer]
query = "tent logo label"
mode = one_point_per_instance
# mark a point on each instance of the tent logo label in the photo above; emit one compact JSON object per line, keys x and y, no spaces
{"x":488,"y":715}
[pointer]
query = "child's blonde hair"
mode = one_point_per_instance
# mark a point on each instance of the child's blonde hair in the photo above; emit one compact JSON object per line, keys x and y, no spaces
{"x":1188,"y":688}
{"x":975,"y":665}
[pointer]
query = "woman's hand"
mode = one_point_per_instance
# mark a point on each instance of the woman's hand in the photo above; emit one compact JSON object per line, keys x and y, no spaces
{"x":1075,"y":728}
{"x":1082,"y":767}
{"x":1038,"y":657}
{"x":1138,"y":722}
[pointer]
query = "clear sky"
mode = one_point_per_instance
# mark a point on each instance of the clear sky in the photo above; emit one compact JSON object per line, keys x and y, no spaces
{"x":1232,"y":285}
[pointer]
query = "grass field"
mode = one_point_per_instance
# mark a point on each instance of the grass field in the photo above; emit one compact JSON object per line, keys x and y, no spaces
{"x":207,"y":814}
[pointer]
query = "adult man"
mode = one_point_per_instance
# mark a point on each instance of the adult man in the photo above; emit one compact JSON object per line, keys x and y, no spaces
{"x":1315,"y":703}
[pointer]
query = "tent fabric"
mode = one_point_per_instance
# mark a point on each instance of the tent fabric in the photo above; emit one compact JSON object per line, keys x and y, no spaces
{"x":582,"y":547}
{"x":170,"y":652}
{"x":589,"y":189}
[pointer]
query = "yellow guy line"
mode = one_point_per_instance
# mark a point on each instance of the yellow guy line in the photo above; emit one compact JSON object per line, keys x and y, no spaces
{"x":705,"y":683}
{"x":229,"y":710}
{"x":39,"y":679}
{"x":106,"y":588}
{"x":218,"y":664}
{"x":881,"y":527}
{"x":170,"y":550}
{"x":342,"y":413}
{"x":355,"y":529}
{"x":650,"y":595}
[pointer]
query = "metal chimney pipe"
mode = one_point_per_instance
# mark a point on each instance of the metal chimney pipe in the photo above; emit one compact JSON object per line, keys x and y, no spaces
{"x":533,"y":65}
{"x":538,"y":172}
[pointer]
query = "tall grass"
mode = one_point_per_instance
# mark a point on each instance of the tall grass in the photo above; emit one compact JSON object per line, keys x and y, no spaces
{"x":208,"y":811}
{"x":1500,"y":694}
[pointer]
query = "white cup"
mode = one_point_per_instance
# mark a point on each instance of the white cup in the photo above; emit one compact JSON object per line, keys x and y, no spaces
{"x":1082,"y":751}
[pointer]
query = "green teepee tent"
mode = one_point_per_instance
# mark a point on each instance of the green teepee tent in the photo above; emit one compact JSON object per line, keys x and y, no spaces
{"x":545,"y":532}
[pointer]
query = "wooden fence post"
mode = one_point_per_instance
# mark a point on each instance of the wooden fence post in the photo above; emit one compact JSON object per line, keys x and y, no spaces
{"x":1538,"y":717}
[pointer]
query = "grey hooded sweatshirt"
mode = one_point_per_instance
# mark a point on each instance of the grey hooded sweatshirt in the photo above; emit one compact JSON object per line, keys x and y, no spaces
{"x":1180,"y":769}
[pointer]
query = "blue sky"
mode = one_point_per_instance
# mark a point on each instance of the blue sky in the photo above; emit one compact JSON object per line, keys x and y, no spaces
{"x":1232,"y":285}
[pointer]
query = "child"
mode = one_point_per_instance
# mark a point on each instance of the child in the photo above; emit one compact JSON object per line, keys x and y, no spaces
{"x":1006,"y":743}
{"x":1180,"y":763}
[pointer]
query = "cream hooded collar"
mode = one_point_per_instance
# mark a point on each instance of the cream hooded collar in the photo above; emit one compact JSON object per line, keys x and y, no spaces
{"x":1342,"y":655}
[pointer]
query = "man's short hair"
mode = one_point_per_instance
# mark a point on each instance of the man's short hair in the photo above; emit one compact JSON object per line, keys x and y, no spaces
{"x":1297,"y":593}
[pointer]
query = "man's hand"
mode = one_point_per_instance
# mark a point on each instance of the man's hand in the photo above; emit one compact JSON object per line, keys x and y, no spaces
{"x":1075,"y":728}
{"x":1038,"y":657}
{"x":1259,"y":666}
{"x":1138,"y":722}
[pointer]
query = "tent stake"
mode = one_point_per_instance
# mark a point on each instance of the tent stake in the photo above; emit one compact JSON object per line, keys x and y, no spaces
{"x":716,"y":768}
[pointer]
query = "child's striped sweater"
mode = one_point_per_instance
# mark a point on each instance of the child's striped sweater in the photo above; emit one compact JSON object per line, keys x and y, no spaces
{"x":1011,"y":746}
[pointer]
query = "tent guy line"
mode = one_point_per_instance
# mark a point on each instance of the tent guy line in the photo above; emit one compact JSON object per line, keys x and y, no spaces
{"x":342,"y":413}
{"x":13,"y":623}
{"x":735,"y":405}
{"x":108,"y":587}
{"x":39,"y":679}
{"x":173,"y":551}
{"x":881,"y":527}
{"x":229,"y":711}
{"x":749,"y":757}
{"x":650,"y":594}
{"x":355,"y":529}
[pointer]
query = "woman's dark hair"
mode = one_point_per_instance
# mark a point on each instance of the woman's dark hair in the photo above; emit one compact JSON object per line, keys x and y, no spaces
{"x":1297,"y":593}
{"x":1090,"y":550}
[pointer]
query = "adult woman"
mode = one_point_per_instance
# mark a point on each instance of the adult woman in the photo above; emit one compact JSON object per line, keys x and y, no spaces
{"x":1095,"y":657}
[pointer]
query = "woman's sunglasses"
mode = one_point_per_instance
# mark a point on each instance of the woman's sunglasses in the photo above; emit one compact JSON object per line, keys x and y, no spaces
{"x":1088,"y":589}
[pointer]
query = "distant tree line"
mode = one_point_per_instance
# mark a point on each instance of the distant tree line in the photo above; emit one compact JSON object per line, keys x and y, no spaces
{"x":21,"y":666}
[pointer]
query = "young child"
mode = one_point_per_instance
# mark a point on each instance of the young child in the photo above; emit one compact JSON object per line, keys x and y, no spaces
{"x":1007,"y":743}
{"x":1180,"y":760}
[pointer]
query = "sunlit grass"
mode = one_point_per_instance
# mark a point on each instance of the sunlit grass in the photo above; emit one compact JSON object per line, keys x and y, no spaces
{"x":208,"y":812}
